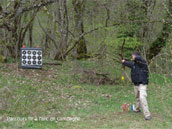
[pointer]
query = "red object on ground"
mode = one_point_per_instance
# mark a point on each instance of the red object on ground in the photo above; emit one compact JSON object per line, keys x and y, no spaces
{"x":37,"y":46}
{"x":128,"y":106}
{"x":123,"y":107}
{"x":23,"y":46}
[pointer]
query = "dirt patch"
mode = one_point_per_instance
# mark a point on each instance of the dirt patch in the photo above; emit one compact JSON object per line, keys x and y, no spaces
{"x":38,"y":74}
{"x":94,"y":77}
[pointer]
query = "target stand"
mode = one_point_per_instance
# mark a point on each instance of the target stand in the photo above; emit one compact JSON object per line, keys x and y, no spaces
{"x":31,"y":58}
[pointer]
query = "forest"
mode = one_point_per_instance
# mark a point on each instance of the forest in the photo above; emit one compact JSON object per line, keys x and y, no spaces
{"x":83,"y":43}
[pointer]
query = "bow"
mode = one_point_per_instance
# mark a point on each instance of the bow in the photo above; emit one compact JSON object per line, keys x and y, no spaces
{"x":122,"y":58}
{"x":122,"y":55}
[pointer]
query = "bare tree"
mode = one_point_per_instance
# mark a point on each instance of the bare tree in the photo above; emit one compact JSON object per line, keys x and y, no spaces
{"x":79,"y":28}
{"x":14,"y":19}
{"x":63,"y":24}
{"x":160,"y":42}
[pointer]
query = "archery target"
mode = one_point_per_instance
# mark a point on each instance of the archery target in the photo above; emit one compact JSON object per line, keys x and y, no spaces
{"x":31,"y":57}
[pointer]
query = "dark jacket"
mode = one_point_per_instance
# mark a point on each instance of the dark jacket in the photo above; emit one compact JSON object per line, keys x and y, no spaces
{"x":139,"y":70}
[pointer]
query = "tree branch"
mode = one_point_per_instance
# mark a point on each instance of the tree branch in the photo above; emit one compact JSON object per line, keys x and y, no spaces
{"x":5,"y":14}
{"x":51,"y":38}
{"x":28,"y":25}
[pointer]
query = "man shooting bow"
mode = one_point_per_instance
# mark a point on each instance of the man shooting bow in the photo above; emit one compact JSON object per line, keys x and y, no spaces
{"x":139,"y":76}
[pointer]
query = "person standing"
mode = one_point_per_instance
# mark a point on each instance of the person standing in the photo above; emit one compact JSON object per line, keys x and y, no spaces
{"x":139,"y":76}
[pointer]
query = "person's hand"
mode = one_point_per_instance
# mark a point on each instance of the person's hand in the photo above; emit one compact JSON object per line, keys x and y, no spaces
{"x":123,"y":61}
{"x":133,"y":57}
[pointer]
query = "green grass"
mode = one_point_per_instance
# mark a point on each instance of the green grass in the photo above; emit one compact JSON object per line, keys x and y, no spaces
{"x":55,"y":92}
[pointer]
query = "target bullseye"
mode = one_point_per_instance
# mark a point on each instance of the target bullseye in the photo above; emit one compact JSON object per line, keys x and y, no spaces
{"x":31,"y":58}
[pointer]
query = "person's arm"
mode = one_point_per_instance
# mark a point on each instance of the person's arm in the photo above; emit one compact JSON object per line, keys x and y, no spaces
{"x":128,"y":63}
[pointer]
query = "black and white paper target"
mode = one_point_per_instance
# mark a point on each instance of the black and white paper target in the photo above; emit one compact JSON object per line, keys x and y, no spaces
{"x":31,"y":57}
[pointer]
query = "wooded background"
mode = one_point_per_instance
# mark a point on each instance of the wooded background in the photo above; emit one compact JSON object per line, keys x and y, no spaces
{"x":83,"y":29}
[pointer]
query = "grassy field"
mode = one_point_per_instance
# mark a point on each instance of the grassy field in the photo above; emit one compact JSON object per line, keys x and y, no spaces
{"x":58,"y":97}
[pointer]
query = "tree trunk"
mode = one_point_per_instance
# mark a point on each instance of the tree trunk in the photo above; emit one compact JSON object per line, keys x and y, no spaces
{"x":146,"y":30}
{"x":161,"y":40}
{"x":62,"y":19}
{"x":79,"y":25}
{"x":30,"y":35}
